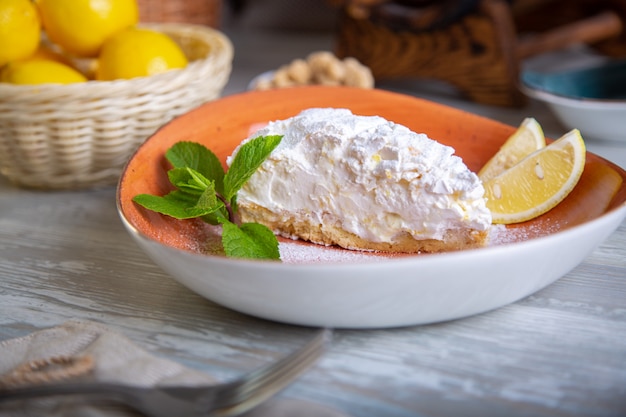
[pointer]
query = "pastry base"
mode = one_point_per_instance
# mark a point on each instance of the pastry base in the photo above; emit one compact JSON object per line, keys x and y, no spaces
{"x":326,"y":234}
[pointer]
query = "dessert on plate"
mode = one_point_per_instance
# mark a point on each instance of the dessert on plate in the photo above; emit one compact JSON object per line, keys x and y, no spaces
{"x":366,"y":183}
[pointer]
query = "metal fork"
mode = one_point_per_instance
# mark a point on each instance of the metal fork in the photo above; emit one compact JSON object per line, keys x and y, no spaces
{"x":226,"y":399}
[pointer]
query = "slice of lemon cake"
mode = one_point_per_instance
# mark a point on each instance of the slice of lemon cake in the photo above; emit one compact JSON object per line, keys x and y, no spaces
{"x":362,"y":182}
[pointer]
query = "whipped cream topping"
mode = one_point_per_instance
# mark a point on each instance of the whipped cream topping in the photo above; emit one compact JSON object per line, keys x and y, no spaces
{"x":369,"y":176}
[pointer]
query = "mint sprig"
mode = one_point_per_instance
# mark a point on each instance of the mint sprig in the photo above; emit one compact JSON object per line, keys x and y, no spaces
{"x":206,"y":191}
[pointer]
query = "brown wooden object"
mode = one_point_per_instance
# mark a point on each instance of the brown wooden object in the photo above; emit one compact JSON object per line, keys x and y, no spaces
{"x":480,"y":53}
{"x":538,"y":16}
{"x":201,"y":12}
{"x":590,"y":30}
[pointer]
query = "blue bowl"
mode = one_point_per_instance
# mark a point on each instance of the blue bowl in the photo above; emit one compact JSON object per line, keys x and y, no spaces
{"x":606,"y":82}
{"x":591,"y":99}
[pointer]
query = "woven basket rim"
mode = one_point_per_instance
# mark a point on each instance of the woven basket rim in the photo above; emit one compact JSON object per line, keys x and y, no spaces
{"x":77,"y":136}
{"x":210,"y":36}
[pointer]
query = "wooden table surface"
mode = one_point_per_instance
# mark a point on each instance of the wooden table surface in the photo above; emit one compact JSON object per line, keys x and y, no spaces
{"x":560,"y":352}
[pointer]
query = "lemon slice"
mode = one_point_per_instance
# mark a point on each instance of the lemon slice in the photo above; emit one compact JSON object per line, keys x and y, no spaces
{"x":525,"y":140}
{"x":538,"y":182}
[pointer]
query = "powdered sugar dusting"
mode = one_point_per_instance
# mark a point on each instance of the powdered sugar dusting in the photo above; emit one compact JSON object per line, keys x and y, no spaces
{"x":500,"y":234}
{"x":301,"y":252}
{"x":298,"y":252}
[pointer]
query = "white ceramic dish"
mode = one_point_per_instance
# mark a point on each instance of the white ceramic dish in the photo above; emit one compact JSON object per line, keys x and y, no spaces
{"x":317,"y":286}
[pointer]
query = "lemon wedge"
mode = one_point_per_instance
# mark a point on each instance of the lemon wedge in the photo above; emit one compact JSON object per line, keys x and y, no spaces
{"x":538,"y":182}
{"x":525,"y":140}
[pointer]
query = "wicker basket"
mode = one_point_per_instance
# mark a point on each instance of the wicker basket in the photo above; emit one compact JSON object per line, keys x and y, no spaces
{"x":81,"y":135}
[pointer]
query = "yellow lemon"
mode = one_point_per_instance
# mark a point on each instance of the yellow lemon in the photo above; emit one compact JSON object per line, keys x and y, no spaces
{"x":525,"y":140}
{"x":19,"y":30}
{"x":538,"y":182}
{"x":80,"y":27}
{"x":138,"y":52}
{"x":39,"y":71}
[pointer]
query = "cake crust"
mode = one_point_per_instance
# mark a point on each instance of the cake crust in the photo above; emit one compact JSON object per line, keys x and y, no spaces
{"x":328,"y":234}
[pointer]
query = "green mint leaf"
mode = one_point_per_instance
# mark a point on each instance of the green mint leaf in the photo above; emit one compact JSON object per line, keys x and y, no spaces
{"x":199,"y":158}
{"x":178,"y":204}
{"x":190,"y":180}
{"x":250,"y":240}
{"x":208,"y":199}
{"x":247,"y":160}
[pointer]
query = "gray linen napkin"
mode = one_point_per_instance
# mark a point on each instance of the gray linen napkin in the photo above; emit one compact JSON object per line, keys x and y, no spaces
{"x":85,"y":350}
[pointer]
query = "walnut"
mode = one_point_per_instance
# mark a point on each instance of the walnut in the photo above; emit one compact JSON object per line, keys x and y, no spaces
{"x":326,"y":67}
{"x":282,"y":78}
{"x":357,"y":75}
{"x":300,"y":71}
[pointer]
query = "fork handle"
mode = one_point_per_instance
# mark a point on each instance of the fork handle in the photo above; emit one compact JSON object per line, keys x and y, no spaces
{"x":48,"y":390}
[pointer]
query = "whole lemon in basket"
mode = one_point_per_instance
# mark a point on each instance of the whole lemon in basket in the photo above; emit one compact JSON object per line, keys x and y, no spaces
{"x":19,"y":30}
{"x":138,"y":52}
{"x":39,"y":71}
{"x":80,"y":27}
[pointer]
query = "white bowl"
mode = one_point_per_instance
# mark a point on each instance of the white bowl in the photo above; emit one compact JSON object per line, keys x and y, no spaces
{"x":331,"y":287}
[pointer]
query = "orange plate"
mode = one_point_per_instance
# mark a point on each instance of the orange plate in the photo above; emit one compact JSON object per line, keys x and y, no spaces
{"x":221,"y":125}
